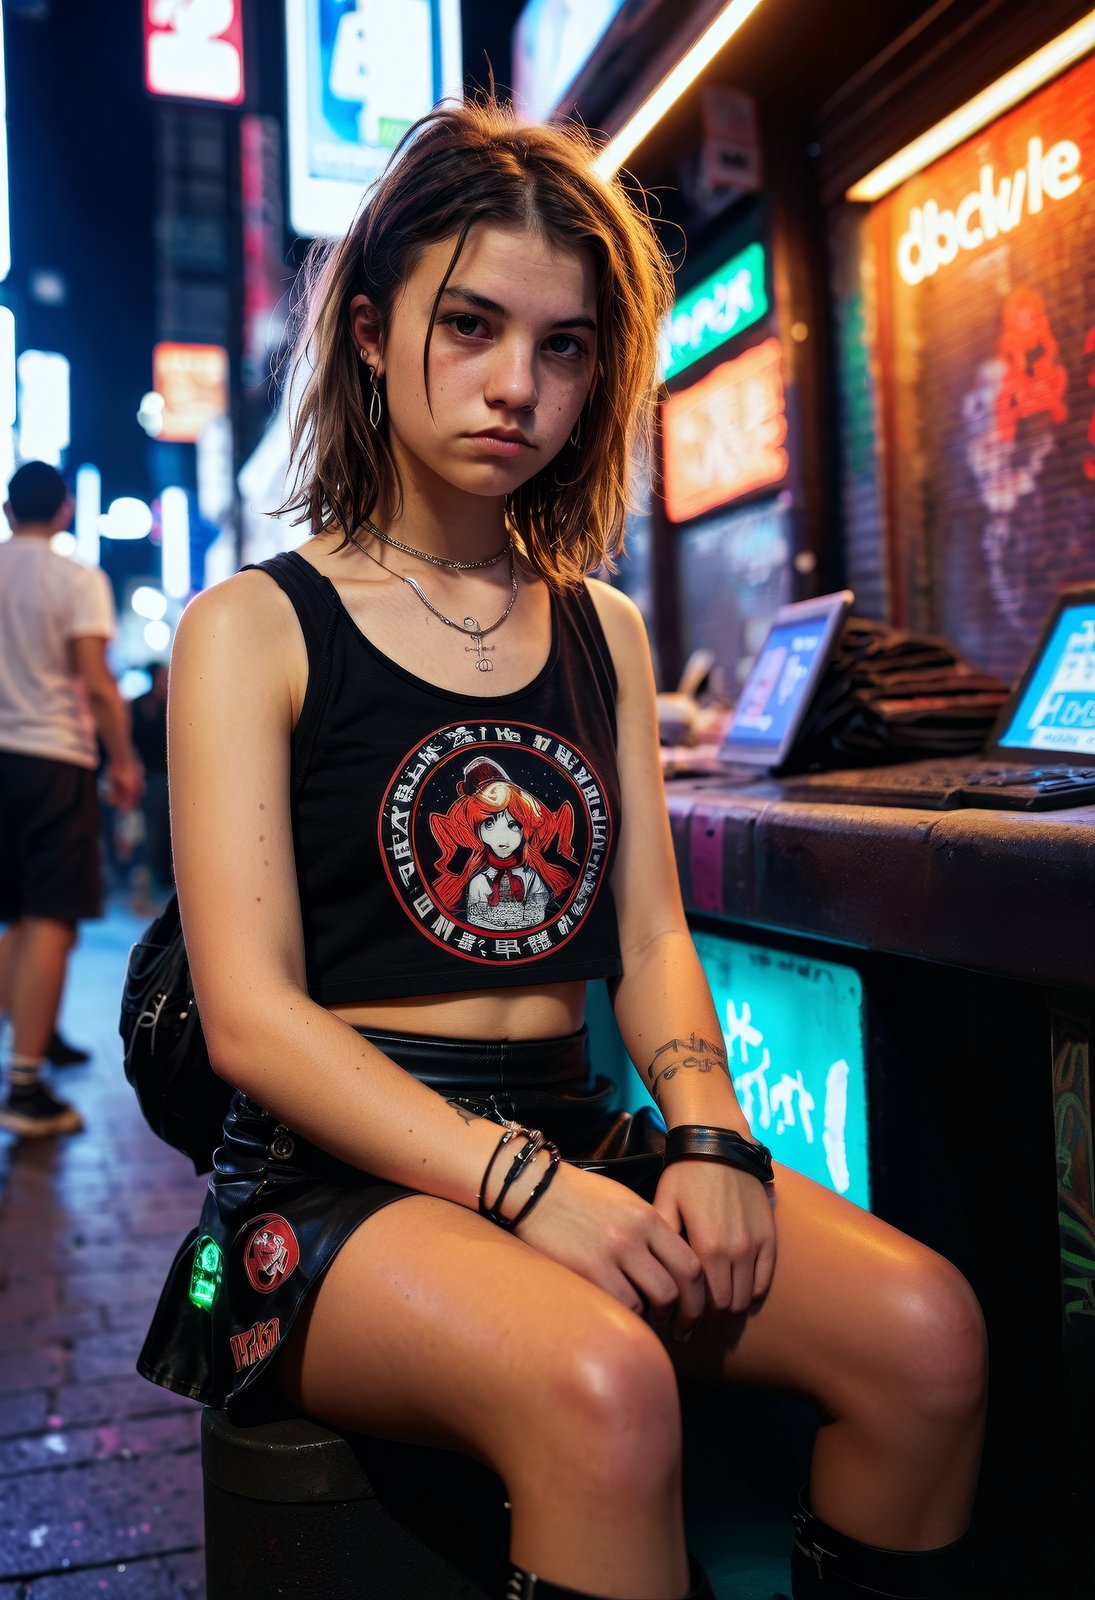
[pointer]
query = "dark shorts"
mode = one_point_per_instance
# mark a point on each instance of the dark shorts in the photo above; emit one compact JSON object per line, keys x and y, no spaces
{"x":278,"y":1209}
{"x":50,"y":852}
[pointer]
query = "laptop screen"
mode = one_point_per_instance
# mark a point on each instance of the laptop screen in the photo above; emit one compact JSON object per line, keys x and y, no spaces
{"x":1052,"y":713}
{"x":781,"y":682}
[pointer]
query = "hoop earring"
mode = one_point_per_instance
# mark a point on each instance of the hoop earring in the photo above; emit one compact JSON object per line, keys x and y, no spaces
{"x":576,"y":433}
{"x":376,"y":404}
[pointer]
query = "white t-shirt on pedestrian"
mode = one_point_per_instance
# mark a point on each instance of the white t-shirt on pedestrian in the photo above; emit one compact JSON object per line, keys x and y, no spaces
{"x":47,"y":600}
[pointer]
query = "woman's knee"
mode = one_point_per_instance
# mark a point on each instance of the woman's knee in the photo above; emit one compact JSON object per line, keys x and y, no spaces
{"x":609,"y":1408}
{"x":932,"y":1340}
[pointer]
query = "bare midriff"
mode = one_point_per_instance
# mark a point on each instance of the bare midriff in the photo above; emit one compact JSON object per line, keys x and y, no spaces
{"x":547,"y":1012}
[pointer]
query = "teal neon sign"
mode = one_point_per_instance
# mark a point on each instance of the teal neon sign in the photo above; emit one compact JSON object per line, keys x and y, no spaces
{"x":731,"y":299}
{"x":794,"y":1031}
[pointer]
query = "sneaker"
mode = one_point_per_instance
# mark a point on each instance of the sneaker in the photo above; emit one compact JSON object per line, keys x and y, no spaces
{"x":33,"y":1112}
{"x":60,"y":1053}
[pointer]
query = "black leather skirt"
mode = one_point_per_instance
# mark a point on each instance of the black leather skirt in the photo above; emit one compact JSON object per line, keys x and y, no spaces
{"x":279,"y":1208}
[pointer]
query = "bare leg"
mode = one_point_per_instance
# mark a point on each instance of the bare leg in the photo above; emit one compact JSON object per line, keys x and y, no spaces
{"x":888,"y":1338}
{"x":9,"y":940}
{"x":431,"y":1325}
{"x":38,"y":960}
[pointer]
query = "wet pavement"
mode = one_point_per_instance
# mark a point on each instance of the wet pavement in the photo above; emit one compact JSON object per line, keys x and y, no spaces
{"x":100,"y":1482}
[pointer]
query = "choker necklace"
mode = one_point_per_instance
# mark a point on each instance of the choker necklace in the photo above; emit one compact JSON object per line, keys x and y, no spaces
{"x":436,"y":561}
{"x":470,"y":625}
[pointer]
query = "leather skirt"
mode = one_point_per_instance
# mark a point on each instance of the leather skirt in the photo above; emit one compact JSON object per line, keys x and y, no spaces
{"x":278,"y":1208}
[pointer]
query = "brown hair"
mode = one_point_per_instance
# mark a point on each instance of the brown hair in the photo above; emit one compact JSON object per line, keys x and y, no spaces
{"x":459,"y":165}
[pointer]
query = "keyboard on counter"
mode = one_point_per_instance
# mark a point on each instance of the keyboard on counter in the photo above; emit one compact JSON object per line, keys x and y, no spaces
{"x":952,"y":786}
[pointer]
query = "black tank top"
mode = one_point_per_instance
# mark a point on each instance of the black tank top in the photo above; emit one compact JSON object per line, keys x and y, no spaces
{"x":447,"y":842}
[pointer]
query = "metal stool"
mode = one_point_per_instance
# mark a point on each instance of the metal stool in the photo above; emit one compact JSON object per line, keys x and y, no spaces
{"x":293,"y":1508}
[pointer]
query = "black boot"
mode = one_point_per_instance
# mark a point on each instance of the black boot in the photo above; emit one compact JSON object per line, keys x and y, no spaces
{"x":826,"y":1565}
{"x":525,"y":1586}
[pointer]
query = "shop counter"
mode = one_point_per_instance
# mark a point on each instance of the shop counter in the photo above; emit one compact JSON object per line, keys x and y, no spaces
{"x":997,"y":891}
{"x":915,"y":990}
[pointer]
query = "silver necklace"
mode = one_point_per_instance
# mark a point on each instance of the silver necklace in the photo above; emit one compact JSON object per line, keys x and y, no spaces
{"x":470,"y":625}
{"x":436,"y":561}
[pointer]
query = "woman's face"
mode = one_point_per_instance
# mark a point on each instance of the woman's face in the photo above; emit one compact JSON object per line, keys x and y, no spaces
{"x":512,"y":356}
{"x":501,"y":835}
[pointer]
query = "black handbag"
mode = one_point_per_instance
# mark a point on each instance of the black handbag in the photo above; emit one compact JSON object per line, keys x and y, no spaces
{"x":183,"y":1100}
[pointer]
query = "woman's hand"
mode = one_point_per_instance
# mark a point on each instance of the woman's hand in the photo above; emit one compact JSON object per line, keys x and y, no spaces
{"x":614,"y":1239}
{"x":727,"y":1218}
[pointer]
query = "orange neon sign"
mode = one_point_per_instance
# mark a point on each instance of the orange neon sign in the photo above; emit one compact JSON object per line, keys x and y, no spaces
{"x":724,"y":436}
{"x":193,"y":379}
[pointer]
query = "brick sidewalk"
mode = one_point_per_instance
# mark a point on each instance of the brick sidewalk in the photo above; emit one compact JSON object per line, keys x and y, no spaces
{"x":100,"y":1485}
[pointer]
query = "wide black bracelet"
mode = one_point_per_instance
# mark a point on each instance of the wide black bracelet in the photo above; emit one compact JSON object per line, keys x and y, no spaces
{"x":719,"y":1144}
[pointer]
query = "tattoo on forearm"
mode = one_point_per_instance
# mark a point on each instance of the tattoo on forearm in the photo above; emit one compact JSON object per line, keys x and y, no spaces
{"x":464,"y":1111}
{"x":688,"y":1055}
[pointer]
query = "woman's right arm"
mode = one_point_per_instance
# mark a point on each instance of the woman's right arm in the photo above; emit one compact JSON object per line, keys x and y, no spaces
{"x":237,"y":677}
{"x":238,"y":671}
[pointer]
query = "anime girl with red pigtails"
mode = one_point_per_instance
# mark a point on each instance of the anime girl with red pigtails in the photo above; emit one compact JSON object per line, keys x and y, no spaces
{"x":504,"y":831}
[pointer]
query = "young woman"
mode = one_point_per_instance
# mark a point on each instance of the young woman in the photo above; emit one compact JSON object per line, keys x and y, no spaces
{"x":390,"y":1237}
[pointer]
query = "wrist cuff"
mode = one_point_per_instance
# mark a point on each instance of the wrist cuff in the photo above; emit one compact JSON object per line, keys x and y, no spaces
{"x":719,"y":1144}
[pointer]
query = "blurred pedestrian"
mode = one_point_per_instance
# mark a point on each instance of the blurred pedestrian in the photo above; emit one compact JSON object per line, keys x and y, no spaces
{"x":152,"y":875}
{"x":56,"y":690}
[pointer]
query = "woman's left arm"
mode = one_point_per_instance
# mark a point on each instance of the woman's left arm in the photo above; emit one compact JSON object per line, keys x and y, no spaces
{"x":663,"y":1003}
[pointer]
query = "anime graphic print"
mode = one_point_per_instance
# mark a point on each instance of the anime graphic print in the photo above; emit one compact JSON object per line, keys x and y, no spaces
{"x":494,"y":838}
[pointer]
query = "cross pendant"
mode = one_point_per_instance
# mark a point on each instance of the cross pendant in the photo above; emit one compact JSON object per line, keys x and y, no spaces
{"x":481,"y":649}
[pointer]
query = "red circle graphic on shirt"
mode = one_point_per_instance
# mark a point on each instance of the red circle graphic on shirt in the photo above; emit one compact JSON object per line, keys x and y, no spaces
{"x":270,"y":1253}
{"x":495,"y":838}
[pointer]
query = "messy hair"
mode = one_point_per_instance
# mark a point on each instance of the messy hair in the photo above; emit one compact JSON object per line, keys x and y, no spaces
{"x":458,"y":166}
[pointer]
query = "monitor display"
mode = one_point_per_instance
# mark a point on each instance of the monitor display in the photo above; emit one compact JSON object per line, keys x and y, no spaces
{"x":1054,"y":711}
{"x":782,"y":679}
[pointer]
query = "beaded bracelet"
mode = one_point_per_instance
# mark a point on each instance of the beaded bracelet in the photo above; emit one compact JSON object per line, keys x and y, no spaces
{"x":719,"y":1144}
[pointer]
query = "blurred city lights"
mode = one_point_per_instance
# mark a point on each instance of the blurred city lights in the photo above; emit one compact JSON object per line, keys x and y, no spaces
{"x":43,"y":406}
{"x":148,"y":602}
{"x":150,"y":413}
{"x":7,"y":367}
{"x":126,"y":518}
{"x":89,"y":505}
{"x":1007,"y":91}
{"x":5,"y":225}
{"x":134,"y":681}
{"x":683,"y":75}
{"x":157,"y":636}
{"x":175,"y":551}
{"x":63,"y":543}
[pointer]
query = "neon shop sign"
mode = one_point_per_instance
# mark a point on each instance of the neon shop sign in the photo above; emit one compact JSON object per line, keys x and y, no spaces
{"x":935,"y":234}
{"x":724,"y":304}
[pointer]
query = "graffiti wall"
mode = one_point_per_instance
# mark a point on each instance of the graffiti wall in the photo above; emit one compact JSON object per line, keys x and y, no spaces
{"x":983,"y":269}
{"x":1072,"y":1104}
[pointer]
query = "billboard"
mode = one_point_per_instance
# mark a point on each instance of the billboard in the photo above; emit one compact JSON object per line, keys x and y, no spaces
{"x":193,"y":49}
{"x":980,"y":292}
{"x":552,"y":42}
{"x":193,"y":380}
{"x":359,"y":74}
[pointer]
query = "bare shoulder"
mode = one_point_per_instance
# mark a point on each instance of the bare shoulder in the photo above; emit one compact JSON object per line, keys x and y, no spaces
{"x":245,"y":618}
